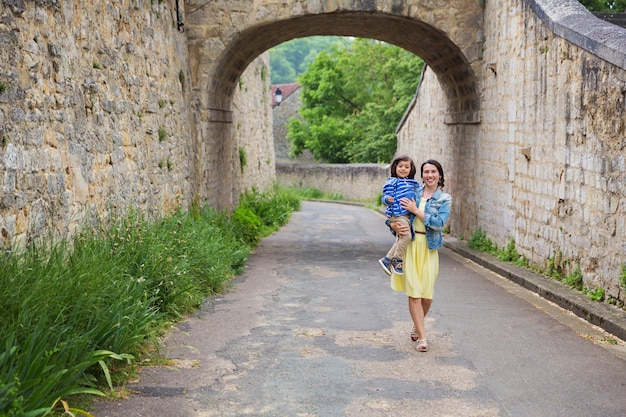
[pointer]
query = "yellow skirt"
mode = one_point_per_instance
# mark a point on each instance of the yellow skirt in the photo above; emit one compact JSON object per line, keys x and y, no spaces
{"x":421,"y":268}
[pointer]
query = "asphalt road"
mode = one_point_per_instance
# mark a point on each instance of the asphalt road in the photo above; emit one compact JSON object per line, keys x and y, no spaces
{"x":313,"y":329}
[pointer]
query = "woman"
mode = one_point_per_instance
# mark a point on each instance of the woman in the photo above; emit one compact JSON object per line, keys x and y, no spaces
{"x":431,"y":210}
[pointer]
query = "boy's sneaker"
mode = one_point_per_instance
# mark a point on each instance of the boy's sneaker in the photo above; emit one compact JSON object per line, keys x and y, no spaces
{"x":385,"y":263}
{"x":396,"y":266}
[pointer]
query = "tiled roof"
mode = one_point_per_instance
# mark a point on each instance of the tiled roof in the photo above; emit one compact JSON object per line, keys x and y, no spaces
{"x":286,"y":89}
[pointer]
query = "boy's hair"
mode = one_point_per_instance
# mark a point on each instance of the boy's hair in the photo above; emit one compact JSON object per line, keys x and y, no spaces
{"x":403,"y":158}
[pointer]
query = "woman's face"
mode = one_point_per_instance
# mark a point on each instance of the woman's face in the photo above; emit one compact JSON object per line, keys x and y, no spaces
{"x":430,"y":175}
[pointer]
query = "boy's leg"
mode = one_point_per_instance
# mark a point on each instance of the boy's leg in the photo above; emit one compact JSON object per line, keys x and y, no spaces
{"x":399,"y":247}
{"x":392,"y":250}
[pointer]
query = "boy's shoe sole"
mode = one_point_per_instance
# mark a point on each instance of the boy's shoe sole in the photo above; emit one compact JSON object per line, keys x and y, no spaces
{"x":381,"y":262}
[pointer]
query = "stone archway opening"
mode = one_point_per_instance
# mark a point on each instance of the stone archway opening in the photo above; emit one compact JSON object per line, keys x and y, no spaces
{"x":446,"y":59}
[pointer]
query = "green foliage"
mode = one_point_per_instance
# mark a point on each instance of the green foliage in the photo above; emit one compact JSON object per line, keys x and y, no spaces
{"x":3,"y":86}
{"x":247,"y":225}
{"x":290,"y":59}
{"x":312,"y":193}
{"x":610,"y":340}
{"x":595,"y":294}
{"x":243,"y":159}
{"x":575,"y":279}
{"x":480,"y":241}
{"x":162,"y":134}
{"x":605,"y":5}
{"x":71,"y":310}
{"x":273,"y":208}
{"x":353,"y":98}
{"x":622,"y":276}
{"x":509,"y":253}
{"x":554,"y":268}
{"x":181,"y":78}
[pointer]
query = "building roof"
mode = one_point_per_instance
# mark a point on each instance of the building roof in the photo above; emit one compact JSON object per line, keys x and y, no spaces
{"x":286,"y":89}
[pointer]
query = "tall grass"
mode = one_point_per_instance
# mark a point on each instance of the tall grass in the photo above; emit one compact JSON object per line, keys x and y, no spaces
{"x":71,"y":309}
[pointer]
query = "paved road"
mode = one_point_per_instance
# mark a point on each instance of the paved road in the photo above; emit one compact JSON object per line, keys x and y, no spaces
{"x":313,"y":329}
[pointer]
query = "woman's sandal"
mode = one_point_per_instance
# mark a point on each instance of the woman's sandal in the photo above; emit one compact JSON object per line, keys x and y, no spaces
{"x":414,"y":334}
{"x":422,"y":345}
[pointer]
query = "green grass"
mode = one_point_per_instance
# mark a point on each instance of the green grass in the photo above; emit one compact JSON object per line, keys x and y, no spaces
{"x":76,"y":313}
{"x":163,"y":135}
{"x":312,"y":193}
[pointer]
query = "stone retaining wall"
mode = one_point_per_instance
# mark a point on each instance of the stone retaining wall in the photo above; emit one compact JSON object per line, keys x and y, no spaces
{"x":358,"y":182}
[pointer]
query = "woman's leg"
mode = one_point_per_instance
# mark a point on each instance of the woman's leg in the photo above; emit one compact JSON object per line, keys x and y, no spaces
{"x":418,"y":308}
{"x":426,"y":303}
{"x":417,"y":314}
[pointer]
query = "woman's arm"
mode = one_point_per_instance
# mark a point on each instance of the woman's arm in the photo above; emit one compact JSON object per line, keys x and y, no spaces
{"x":400,"y":228}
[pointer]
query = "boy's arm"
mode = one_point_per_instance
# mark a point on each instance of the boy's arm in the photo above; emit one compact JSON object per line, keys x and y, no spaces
{"x":387,"y":196}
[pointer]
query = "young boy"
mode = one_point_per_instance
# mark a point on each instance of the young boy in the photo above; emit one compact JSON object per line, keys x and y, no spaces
{"x":401,"y":184}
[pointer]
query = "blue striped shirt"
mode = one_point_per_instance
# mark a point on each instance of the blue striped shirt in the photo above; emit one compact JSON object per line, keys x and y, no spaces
{"x":398,"y":188}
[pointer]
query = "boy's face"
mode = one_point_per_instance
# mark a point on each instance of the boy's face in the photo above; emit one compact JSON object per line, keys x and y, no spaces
{"x":403,"y":169}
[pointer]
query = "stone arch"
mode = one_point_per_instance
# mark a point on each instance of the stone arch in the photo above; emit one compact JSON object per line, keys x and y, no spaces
{"x":225,"y":37}
{"x":438,"y":51}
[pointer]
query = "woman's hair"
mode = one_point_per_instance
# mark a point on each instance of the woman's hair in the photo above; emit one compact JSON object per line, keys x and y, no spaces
{"x":403,"y":158}
{"x":439,"y":168}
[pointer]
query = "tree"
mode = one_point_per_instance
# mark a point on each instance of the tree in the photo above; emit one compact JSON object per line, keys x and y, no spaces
{"x":281,"y":69}
{"x":604,"y":5}
{"x":353,"y":98}
{"x":290,"y":59}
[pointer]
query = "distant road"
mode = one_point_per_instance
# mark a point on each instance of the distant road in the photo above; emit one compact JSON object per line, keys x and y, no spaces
{"x":313,"y":329}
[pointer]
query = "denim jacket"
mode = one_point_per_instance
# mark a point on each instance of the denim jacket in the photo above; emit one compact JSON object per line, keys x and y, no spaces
{"x":436,"y":214}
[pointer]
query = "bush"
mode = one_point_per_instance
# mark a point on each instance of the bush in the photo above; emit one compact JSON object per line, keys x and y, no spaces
{"x":273,"y":209}
{"x":246,"y":225}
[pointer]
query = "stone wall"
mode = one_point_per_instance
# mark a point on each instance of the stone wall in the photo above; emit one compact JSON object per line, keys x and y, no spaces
{"x":288,"y":109}
{"x":95,"y":115}
{"x":357,"y":182}
{"x":546,"y":165}
{"x":253,"y":127}
{"x":281,"y":114}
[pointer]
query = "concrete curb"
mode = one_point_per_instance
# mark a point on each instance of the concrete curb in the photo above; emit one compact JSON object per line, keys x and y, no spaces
{"x":606,"y":316}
